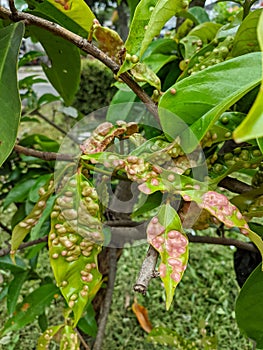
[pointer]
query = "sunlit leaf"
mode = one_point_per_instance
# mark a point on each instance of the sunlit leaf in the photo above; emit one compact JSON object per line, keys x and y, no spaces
{"x":252,"y":126}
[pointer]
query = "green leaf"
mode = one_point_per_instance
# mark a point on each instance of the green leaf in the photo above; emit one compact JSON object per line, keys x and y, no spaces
{"x":152,"y":201}
{"x":249,"y":306}
{"x":246,"y":40}
{"x":165,"y":234}
{"x":165,"y":336}
{"x":143,"y":73}
{"x":252,"y":126}
{"x":121,"y":104}
{"x":199,"y":100}
{"x":69,"y":339}
{"x":205,"y":31}
{"x":19,"y":192}
{"x":161,"y":13}
{"x":32,"y":306}
{"x":64,"y":73}
{"x":7,"y":264}
{"x":88,"y":323}
{"x":14,"y":290}
{"x":10,"y":40}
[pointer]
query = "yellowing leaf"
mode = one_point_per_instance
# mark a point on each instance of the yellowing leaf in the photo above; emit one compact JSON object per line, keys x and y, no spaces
{"x":109,"y":41}
{"x":77,"y":10}
{"x":142,"y":316}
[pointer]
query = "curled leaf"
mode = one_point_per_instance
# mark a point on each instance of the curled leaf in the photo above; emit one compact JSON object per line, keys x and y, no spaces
{"x":142,"y":316}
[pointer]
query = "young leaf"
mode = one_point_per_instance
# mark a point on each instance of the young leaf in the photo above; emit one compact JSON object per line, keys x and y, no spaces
{"x":252,"y":126}
{"x":10,"y":40}
{"x":165,"y":234}
{"x":64,"y":72}
{"x":249,"y":307}
{"x":32,"y":306}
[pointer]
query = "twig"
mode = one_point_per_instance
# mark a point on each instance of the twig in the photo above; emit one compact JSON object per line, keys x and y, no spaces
{"x":82,"y":339}
{"x":87,"y":47}
{"x":147,"y":271}
{"x":107,"y":301}
{"x":5,"y":228}
{"x":13,"y":9}
{"x":222,"y":241}
{"x":6,"y":251}
{"x":43,"y":155}
{"x":234,"y":185}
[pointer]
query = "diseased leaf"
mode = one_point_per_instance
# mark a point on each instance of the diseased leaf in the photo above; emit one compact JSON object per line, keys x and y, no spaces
{"x":249,"y":307}
{"x":246,"y":40}
{"x":109,"y":41}
{"x":24,"y":227}
{"x":69,"y":339}
{"x":45,"y":339}
{"x":143,"y":73}
{"x":64,"y":72}
{"x":165,"y":234}
{"x":74,"y":242}
{"x":142,"y":316}
{"x":10,"y":40}
{"x":252,"y":126}
{"x":32,"y":306}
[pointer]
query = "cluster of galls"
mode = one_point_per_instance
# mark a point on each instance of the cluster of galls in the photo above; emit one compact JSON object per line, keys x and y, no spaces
{"x":210,"y":58}
{"x":257,"y":179}
{"x":175,"y":244}
{"x":104,"y":135}
{"x":32,"y":219}
{"x":220,"y":207}
{"x":76,"y":234}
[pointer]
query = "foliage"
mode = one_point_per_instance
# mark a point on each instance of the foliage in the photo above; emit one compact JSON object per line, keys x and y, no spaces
{"x":201,"y":93}
{"x":95,"y":89}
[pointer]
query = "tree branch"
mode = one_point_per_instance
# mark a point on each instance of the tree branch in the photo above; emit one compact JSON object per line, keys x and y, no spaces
{"x":6,"y":251}
{"x":5,"y":228}
{"x":43,"y":155}
{"x":87,"y":47}
{"x":148,"y":271}
{"x":107,"y":301}
{"x":234,"y":185}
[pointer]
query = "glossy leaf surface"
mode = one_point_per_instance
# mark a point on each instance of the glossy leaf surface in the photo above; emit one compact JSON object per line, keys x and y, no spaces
{"x":249,"y":307}
{"x":252,"y":127}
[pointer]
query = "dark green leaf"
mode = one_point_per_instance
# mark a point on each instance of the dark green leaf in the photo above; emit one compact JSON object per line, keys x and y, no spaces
{"x":19,"y":193}
{"x":43,"y":322}
{"x":64,"y":73}
{"x":14,"y":290}
{"x":121,"y":104}
{"x":150,"y":203}
{"x":88,"y":323}
{"x":249,"y":307}
{"x":10,"y":39}
{"x":7,"y":264}
{"x":32,"y":306}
